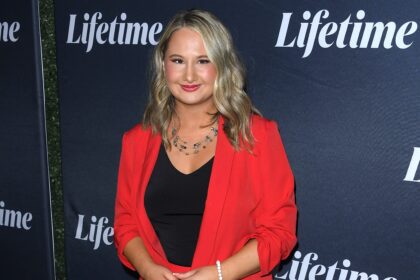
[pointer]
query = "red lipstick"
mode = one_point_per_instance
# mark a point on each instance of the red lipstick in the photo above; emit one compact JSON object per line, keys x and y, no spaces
{"x":190,"y":88}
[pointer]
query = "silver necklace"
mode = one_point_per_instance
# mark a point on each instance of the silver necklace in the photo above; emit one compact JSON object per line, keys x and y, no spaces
{"x":195,"y":148}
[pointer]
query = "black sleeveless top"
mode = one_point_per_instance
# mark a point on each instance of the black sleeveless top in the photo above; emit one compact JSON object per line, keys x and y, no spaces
{"x":175,"y":202}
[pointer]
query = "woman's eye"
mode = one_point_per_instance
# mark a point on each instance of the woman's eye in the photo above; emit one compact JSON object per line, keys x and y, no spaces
{"x":203,"y":61}
{"x":177,"y":60}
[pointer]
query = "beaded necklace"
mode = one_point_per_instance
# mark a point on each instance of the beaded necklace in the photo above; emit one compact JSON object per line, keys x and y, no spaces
{"x":196,"y":147}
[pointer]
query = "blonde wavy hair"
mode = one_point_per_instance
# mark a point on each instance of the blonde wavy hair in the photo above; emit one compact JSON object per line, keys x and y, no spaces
{"x":230,"y":99}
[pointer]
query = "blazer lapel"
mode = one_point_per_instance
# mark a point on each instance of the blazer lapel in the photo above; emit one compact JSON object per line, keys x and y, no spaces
{"x":218,"y":187}
{"x":146,"y":162}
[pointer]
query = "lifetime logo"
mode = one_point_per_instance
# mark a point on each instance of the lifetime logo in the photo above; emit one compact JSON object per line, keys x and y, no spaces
{"x":8,"y":31}
{"x":96,"y":232}
{"x":120,"y":32}
{"x":413,"y":167}
{"x":306,"y":269}
{"x":14,"y":218}
{"x":332,"y":33}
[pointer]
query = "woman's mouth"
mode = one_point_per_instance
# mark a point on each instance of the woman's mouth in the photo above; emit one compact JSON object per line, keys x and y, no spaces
{"x":190,"y":88}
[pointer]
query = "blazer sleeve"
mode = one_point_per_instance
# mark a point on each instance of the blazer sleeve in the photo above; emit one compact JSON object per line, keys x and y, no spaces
{"x":125,"y":226}
{"x":276,"y":211}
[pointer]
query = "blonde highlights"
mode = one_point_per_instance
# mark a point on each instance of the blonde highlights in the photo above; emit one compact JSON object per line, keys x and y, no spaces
{"x":229,"y":96}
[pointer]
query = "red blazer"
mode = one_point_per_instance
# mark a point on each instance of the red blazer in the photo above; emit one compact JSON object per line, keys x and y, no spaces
{"x":249,"y":196}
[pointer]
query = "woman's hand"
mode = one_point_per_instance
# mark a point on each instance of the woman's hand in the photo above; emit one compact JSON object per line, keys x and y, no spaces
{"x":153,"y":271}
{"x":202,"y":273}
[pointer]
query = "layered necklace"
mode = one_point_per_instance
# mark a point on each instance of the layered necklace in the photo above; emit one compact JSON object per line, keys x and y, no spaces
{"x":187,"y":148}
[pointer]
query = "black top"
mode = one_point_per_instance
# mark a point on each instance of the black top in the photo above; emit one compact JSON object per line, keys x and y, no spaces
{"x":175,"y":202}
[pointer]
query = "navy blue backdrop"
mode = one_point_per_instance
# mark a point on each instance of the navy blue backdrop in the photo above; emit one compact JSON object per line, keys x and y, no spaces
{"x":347,"y":108}
{"x":26,"y":243}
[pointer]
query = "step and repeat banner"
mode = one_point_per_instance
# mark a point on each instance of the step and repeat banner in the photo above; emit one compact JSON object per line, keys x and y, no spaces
{"x":341,"y":78}
{"x":26,"y":243}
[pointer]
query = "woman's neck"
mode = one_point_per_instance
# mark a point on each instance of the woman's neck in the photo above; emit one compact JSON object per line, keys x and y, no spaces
{"x":193,"y":119}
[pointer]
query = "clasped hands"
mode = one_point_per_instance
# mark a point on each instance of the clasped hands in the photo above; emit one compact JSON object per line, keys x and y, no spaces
{"x":158,"y":272}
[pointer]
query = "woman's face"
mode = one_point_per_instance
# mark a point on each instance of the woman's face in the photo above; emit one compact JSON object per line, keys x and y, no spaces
{"x":190,"y":75}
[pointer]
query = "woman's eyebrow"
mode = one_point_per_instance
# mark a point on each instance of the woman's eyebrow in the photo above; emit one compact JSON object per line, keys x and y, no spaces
{"x":175,"y":55}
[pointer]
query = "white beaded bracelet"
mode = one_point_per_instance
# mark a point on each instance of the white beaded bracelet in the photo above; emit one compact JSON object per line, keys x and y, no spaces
{"x":219,"y":270}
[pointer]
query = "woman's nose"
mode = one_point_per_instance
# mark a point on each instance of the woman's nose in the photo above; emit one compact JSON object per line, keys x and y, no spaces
{"x":190,"y":73}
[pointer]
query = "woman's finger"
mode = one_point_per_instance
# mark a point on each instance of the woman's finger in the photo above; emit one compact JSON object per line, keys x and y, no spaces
{"x":185,"y":275}
{"x":169,"y":276}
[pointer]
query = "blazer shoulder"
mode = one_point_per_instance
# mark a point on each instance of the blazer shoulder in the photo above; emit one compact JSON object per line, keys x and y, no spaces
{"x":137,"y":134}
{"x":260,"y":126}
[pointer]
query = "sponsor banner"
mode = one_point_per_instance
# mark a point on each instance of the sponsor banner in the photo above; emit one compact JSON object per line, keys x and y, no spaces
{"x":342,"y":82}
{"x":95,"y":230}
{"x":363,"y":34}
{"x":307,"y":267}
{"x":25,"y":215}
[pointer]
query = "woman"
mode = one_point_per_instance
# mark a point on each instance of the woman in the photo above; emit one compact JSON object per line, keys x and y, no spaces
{"x":205,"y":190}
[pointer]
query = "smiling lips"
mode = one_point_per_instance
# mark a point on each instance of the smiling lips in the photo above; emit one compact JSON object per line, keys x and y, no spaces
{"x":190,"y":88}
